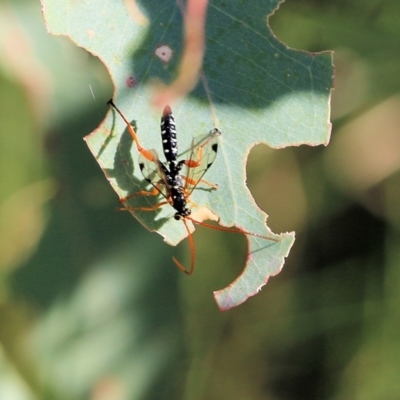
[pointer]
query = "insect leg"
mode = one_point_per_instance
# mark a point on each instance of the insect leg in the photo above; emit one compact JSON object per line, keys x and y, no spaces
{"x":192,"y":253}
{"x":147,"y":154}
{"x":213,"y":185}
{"x":192,"y":182}
{"x":232,"y":230}
{"x":154,"y":192}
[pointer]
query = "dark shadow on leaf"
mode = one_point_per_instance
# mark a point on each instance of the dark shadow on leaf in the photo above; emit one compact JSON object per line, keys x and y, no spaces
{"x":244,"y":63}
{"x":106,"y":142}
{"x":269,"y":243}
{"x":123,"y":172}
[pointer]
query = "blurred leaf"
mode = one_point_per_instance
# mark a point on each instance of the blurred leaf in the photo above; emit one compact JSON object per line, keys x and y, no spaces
{"x":261,"y":92}
{"x":109,"y":329}
{"x":12,"y":385}
{"x":22,"y":223}
{"x":25,"y":189}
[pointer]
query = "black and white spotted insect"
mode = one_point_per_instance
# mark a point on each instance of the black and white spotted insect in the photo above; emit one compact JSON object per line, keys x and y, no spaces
{"x":169,"y":180}
{"x":167,"y":177}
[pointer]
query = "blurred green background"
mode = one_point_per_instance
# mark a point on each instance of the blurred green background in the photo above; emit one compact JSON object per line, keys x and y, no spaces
{"x":91,"y":305}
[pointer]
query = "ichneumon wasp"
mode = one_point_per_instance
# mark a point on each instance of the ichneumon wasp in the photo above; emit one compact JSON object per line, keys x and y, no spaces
{"x":168,"y":180}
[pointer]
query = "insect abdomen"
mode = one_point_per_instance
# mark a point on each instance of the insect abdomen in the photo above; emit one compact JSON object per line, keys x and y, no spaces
{"x":168,"y":135}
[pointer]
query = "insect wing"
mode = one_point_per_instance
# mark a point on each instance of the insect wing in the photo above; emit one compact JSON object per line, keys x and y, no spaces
{"x":203,"y":152}
{"x":154,"y":172}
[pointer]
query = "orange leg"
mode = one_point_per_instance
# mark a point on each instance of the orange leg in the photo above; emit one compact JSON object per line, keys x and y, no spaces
{"x":231,"y":229}
{"x":213,"y":185}
{"x":147,"y":154}
{"x":192,"y":253}
{"x":193,"y":183}
{"x":154,"y":192}
{"x":190,"y":237}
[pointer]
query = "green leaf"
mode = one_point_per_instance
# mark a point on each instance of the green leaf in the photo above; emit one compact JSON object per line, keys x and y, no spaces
{"x":261,"y":91}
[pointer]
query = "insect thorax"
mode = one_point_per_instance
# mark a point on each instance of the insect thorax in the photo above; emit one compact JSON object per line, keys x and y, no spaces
{"x":177,"y":195}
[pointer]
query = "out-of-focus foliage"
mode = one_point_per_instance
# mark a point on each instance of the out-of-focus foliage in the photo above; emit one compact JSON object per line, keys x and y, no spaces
{"x":91,"y":306}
